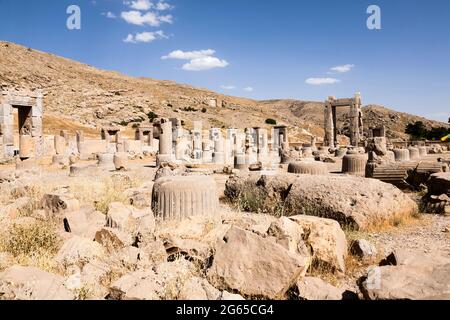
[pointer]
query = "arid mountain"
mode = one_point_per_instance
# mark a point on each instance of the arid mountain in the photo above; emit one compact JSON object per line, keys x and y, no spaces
{"x":79,"y":96}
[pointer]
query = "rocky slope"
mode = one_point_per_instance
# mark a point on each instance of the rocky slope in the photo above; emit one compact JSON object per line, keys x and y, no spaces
{"x":77,"y":94}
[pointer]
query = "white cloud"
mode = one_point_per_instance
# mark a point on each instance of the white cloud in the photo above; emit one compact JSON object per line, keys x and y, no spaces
{"x":205,"y":63}
{"x":140,"y":4}
{"x":321,"y":81}
{"x":248,"y":89}
{"x":189,"y":55}
{"x":145,"y":37}
{"x":149,"y":18}
{"x":161,"y":6}
{"x":110,"y":15}
{"x":343,"y":69}
{"x":228,"y":87}
{"x":200,"y":60}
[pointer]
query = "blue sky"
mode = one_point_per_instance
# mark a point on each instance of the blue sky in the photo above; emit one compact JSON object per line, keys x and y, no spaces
{"x":262,"y":49}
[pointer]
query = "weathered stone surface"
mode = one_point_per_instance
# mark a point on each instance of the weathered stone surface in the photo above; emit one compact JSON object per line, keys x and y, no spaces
{"x":29,"y":283}
{"x":327,"y":240}
{"x":289,"y":235}
{"x":407,"y":274}
{"x":84,"y":222}
{"x":139,"y":197}
{"x":181,"y":197}
{"x":363,"y":249}
{"x":239,"y":265}
{"x":120,"y":161}
{"x":139,"y":285}
{"x":308,"y":167}
{"x":199,"y":289}
{"x":57,"y":203}
{"x":312,"y":288}
{"x":353,"y":201}
{"x":119,"y":216}
{"x":406,"y":282}
{"x":78,"y":250}
{"x":190,"y":249}
{"x":113,"y":238}
{"x":231,"y":296}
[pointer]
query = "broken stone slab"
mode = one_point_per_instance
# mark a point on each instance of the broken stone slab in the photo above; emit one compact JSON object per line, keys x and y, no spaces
{"x":138,"y":285}
{"x":327,"y":240}
{"x":54,"y":204}
{"x":231,"y":296}
{"x":113,"y":239}
{"x":355,"y":202}
{"x":198,"y":289}
{"x":312,"y":288}
{"x":78,"y":250}
{"x":363,"y":250}
{"x":84,"y":222}
{"x":406,"y":282}
{"x":30,"y":283}
{"x":190,"y":249}
{"x":239,"y":265}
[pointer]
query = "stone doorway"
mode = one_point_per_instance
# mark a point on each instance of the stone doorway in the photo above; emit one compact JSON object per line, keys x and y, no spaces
{"x":21,"y":121}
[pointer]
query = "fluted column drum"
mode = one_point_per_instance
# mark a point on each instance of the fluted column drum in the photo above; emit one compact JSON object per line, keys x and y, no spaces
{"x":308,"y":167}
{"x":422,"y":151}
{"x":179,"y":197}
{"x":414,"y":153}
{"x":401,"y":155}
{"x":354,"y":163}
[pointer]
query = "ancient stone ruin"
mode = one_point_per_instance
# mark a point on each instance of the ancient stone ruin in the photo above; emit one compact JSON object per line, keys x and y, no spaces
{"x":26,"y":108}
{"x":355,"y":116}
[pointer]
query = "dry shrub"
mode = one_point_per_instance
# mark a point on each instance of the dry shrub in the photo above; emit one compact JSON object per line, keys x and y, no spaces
{"x":33,"y":244}
{"x":38,"y":237}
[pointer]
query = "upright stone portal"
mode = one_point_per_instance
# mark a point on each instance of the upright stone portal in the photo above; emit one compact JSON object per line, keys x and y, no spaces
{"x":145,"y":134}
{"x":29,"y":106}
{"x":355,"y":117}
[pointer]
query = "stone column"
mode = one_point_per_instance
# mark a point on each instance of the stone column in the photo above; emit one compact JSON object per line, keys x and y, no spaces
{"x":329,"y":125}
{"x":60,"y":145}
{"x":219,"y":151}
{"x":166,"y":139}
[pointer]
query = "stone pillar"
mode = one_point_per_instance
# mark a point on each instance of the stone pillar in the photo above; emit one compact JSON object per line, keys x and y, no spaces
{"x":219,"y":151}
{"x":207,"y":152}
{"x":26,"y":147}
{"x":166,"y":139}
{"x":6,"y":123}
{"x":60,"y":145}
{"x":329,"y":124}
{"x":262,"y":144}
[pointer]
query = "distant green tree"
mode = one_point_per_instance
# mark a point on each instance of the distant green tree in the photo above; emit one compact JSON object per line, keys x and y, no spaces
{"x":271,"y":121}
{"x":416,"y":130}
{"x":152,"y":116}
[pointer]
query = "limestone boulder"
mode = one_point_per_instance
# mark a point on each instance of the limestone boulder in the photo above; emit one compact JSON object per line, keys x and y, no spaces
{"x":113,"y":239}
{"x":29,"y":283}
{"x":312,"y":288}
{"x":352,"y":201}
{"x":198,"y":289}
{"x":239,"y":265}
{"x":327,"y":241}
{"x":138,"y":285}
{"x":407,"y":274}
{"x":406,"y":282}
{"x":84,"y":222}
{"x":54,"y":204}
{"x":78,"y":250}
{"x":363,"y":250}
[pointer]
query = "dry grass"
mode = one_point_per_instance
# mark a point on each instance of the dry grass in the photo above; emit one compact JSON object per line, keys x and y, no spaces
{"x":33,"y":244}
